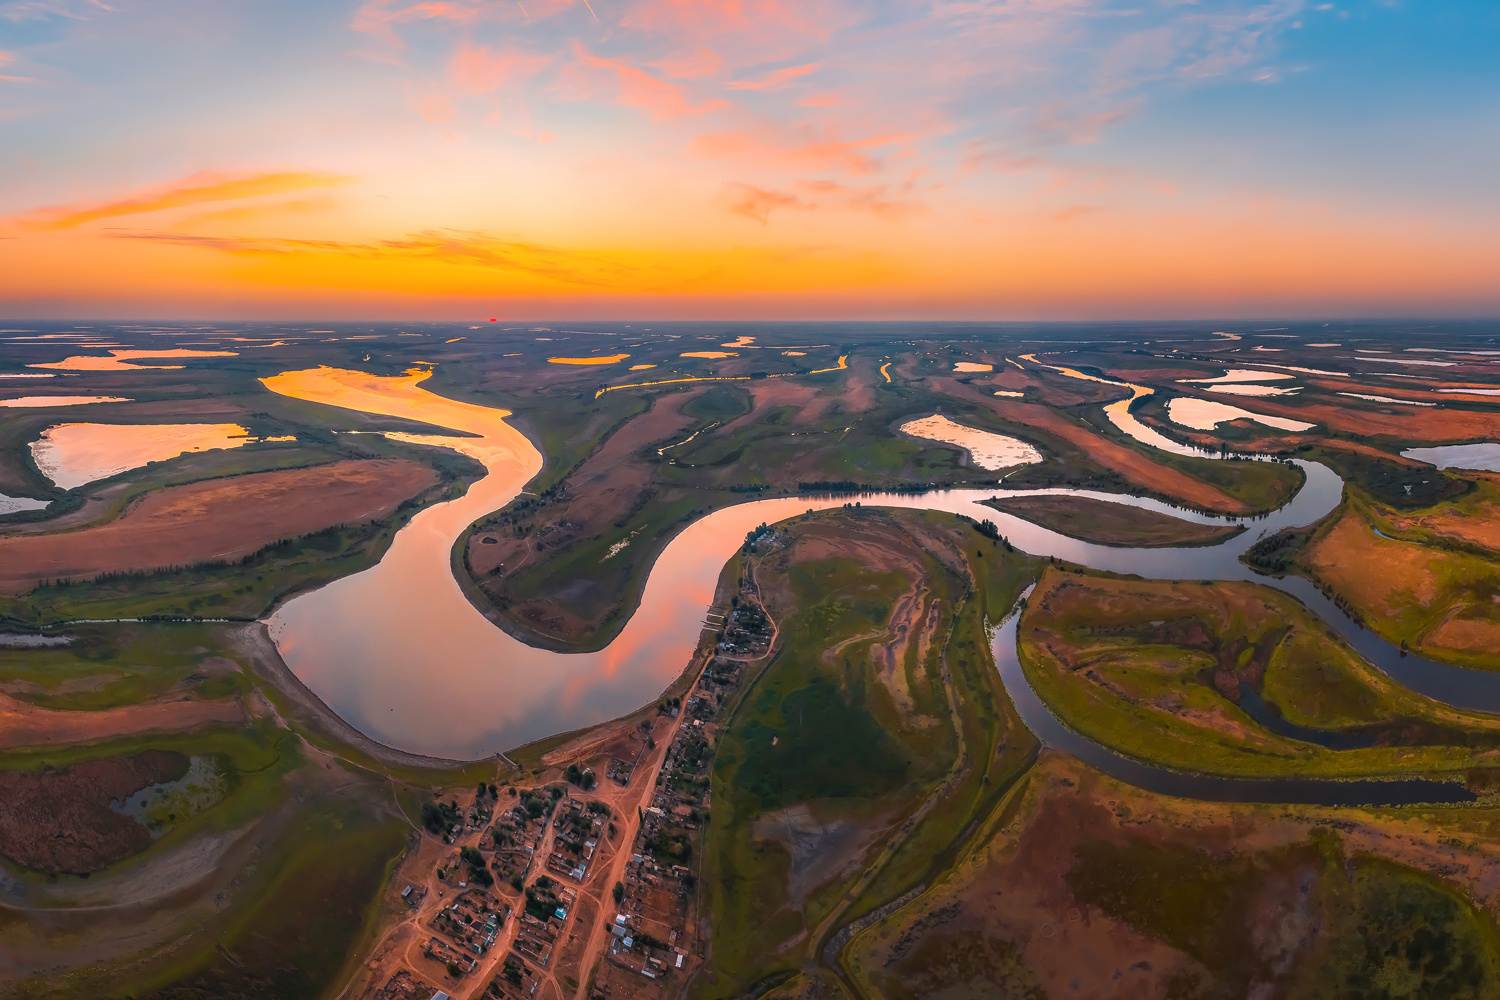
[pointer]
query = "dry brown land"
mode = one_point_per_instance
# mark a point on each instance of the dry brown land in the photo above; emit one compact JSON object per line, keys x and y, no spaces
{"x":1112,"y":523}
{"x":1118,"y":458}
{"x":1050,"y":906}
{"x":1405,"y":423}
{"x":607,"y":485}
{"x":219,"y":519}
{"x":1434,"y":599}
{"x":23,"y":725}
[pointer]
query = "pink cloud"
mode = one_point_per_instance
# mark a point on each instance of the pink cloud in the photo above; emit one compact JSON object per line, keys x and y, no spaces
{"x":6,"y":58}
{"x":758,"y":31}
{"x":817,"y":154}
{"x":639,"y":89}
{"x":690,"y":65}
{"x":776,"y":79}
{"x":1056,"y":124}
{"x":476,"y":70}
{"x":877,"y":199}
{"x":375,"y":17}
{"x":757,"y":203}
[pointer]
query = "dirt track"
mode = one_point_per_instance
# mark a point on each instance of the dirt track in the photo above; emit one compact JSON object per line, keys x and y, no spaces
{"x":215,"y":519}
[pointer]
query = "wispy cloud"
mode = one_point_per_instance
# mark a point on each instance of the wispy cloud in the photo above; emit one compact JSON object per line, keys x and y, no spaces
{"x":639,"y":89}
{"x":757,"y":203}
{"x":477,"y":70}
{"x":39,"y":10}
{"x":194,"y":190}
{"x":775,"y":79}
{"x":802,"y":153}
{"x":445,"y":246}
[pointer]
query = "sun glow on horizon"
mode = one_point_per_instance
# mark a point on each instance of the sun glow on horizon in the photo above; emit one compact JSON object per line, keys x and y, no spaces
{"x":685,"y":158}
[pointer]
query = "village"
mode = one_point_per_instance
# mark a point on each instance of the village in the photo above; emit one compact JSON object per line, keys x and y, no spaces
{"x":577,"y":887}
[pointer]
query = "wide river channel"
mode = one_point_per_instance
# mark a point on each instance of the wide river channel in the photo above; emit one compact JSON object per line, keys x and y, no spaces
{"x":400,"y":653}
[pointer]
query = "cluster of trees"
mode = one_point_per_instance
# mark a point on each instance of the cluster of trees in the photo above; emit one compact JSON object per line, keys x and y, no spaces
{"x":440,"y":817}
{"x":479,"y":872}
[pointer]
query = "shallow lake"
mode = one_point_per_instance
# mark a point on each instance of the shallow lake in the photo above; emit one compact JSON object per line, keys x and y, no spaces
{"x":986,"y":449}
{"x":12,"y":505}
{"x":38,"y":401}
{"x":1485,"y":456}
{"x":74,"y":454}
{"x":1206,"y":414}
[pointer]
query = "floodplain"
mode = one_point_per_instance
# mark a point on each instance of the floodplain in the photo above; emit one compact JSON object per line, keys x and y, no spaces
{"x":795,"y":773}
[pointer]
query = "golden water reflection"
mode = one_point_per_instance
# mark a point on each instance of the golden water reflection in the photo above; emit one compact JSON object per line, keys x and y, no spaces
{"x":74,"y":454}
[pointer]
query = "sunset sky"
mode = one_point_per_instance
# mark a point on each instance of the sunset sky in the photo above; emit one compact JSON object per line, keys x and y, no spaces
{"x":981,"y":159}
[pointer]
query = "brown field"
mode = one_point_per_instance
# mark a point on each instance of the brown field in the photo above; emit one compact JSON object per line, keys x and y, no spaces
{"x":766,"y":395}
{"x":1434,"y":599}
{"x":605,"y":488}
{"x":1118,"y":458}
{"x":1405,"y":423}
{"x":23,"y":725}
{"x":1113,"y":523}
{"x":1255,"y":906}
{"x":1048,"y":386}
{"x":61,"y":821}
{"x":216,"y":519}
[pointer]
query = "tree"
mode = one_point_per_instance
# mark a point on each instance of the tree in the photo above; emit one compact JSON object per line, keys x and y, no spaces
{"x":619,"y":892}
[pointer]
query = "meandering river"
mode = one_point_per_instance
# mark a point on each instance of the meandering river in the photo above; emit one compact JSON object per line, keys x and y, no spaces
{"x":400,"y":653}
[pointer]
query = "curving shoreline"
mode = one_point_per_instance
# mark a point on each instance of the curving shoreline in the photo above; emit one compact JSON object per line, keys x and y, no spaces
{"x":401,"y":655}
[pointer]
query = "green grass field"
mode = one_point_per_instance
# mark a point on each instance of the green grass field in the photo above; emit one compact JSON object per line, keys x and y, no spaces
{"x":821,"y":731}
{"x":1147,"y":668}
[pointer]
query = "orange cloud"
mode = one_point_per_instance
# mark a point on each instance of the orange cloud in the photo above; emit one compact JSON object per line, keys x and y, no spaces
{"x":194,"y":190}
{"x":451,"y":247}
{"x":757,"y":203}
{"x":476,"y":70}
{"x":449,"y":263}
{"x":775,"y":79}
{"x":246,"y":213}
{"x":638,"y":89}
{"x":875,"y":199}
{"x":828,"y":153}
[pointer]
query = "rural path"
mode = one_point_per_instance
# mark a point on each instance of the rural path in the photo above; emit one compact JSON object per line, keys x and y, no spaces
{"x":599,"y":938}
{"x":825,"y":928}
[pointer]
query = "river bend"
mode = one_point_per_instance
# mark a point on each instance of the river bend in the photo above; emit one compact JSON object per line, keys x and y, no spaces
{"x":400,"y":653}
